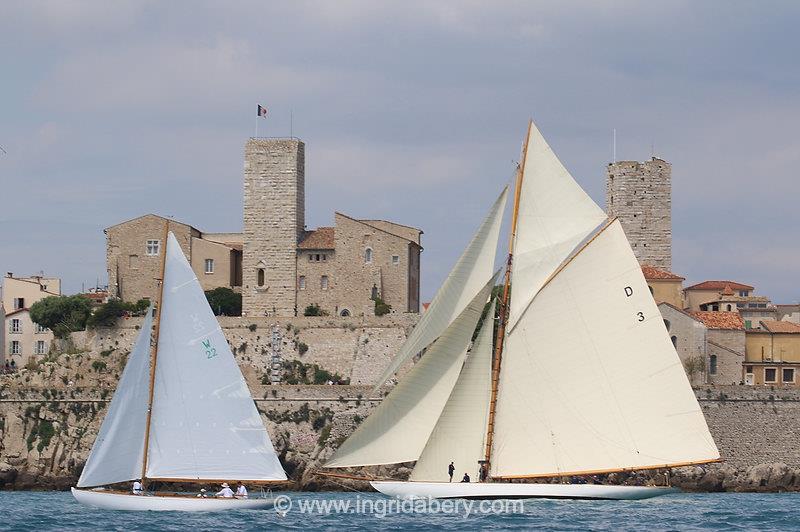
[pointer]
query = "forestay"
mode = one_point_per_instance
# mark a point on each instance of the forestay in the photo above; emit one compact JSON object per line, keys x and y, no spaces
{"x":460,"y":432}
{"x":590,"y":380}
{"x":555,"y":215}
{"x":204,"y":422}
{"x":466,"y":278}
{"x":117,"y":452}
{"x":398,"y":429}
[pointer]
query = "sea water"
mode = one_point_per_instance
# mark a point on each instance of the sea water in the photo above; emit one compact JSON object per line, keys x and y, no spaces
{"x":33,"y":511}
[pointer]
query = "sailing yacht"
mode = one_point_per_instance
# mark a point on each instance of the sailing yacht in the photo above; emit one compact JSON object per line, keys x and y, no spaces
{"x":182,"y":411}
{"x":580,"y":379}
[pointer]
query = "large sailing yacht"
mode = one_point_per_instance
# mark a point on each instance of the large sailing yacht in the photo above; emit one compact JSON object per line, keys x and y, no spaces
{"x":580,"y":379}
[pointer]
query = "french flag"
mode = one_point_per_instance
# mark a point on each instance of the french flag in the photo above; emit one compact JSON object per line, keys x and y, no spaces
{"x":262,"y":111}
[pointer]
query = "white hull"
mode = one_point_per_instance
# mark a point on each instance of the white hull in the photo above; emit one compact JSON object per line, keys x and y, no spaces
{"x":505,"y":490}
{"x":107,"y":500}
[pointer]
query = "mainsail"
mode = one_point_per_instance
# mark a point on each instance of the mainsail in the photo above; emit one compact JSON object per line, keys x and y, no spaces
{"x":590,"y":381}
{"x":398,"y":429}
{"x":555,"y":215}
{"x":460,"y":432}
{"x":465,"y":280}
{"x":116,"y":455}
{"x":204,"y":422}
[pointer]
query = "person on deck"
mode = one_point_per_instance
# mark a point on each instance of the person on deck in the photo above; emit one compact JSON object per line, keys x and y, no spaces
{"x":466,"y":478}
{"x":137,"y":487}
{"x":202,"y":493}
{"x":241,"y":491}
{"x":450,"y":470}
{"x":225,"y":492}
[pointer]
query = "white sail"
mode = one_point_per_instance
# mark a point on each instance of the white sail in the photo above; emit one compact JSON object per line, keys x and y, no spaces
{"x":466,"y":278}
{"x":460,"y":433}
{"x":204,"y":422}
{"x":398,"y":429}
{"x":555,"y":215}
{"x":116,"y":455}
{"x":589,"y":378}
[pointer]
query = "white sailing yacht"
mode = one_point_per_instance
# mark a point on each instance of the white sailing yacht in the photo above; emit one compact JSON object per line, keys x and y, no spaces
{"x":182,"y":411}
{"x":582,"y":378}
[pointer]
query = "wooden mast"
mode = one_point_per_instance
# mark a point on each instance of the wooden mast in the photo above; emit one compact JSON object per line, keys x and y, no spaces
{"x":154,"y":354}
{"x":504,"y":307}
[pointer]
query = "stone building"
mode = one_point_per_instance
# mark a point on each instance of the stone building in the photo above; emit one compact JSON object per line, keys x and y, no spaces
{"x":23,"y":338}
{"x":772,"y":354}
{"x":729,"y":296}
{"x":640,"y":195}
{"x":688,"y":334}
{"x":279,"y":266}
{"x":725,"y":346}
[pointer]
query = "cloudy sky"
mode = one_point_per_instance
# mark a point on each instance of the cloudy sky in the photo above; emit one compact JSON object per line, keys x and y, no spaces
{"x":411,"y":111}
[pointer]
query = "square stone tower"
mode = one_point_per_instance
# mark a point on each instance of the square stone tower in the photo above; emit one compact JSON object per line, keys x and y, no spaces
{"x":274,"y":221}
{"x":640,"y":195}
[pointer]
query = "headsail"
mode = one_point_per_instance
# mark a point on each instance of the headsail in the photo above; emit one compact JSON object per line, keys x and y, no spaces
{"x":204,"y":422}
{"x":398,"y":429}
{"x":460,"y":433}
{"x":116,"y":455}
{"x":465,"y":280}
{"x":555,"y":215}
{"x":590,"y":381}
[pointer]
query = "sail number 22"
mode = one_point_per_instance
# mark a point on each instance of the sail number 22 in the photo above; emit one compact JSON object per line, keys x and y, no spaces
{"x":629,"y":293}
{"x":211,"y":352}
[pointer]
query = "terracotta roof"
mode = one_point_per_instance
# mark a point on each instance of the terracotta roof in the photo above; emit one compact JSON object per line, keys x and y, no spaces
{"x":719,"y":285}
{"x":721,"y":320}
{"x":727,"y":291}
{"x":321,"y":238}
{"x":651,"y":273}
{"x":780,"y":326}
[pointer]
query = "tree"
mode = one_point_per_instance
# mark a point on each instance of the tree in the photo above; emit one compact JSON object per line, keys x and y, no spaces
{"x":224,"y":301}
{"x":62,"y":314}
{"x":382,"y":307}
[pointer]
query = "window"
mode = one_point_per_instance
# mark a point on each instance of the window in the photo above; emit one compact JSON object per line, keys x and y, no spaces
{"x":209,"y":265}
{"x":674,"y":341}
{"x":667,"y":324}
{"x":133,"y":262}
{"x":749,"y":369}
{"x":153,"y":247}
{"x":310,"y":257}
{"x":770,"y":375}
{"x":14,"y":348}
{"x":748,"y":324}
{"x":19,"y":302}
{"x":323,"y":282}
{"x":744,"y":293}
{"x":260,"y":277}
{"x":345,"y":313}
{"x":712,"y":365}
{"x":368,"y":256}
{"x":40,"y":348}
{"x":651,"y":289}
{"x":301,"y":282}
{"x":728,"y":307}
{"x":374,"y":293}
{"x":324,"y":257}
{"x":788,"y":374}
{"x":395,"y":259}
{"x":16,"y":326}
{"x":40,"y":328}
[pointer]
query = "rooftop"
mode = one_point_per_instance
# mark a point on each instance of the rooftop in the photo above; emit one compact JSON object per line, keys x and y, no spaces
{"x":780,"y":326}
{"x":719,"y":285}
{"x":720,"y":320}
{"x":320,"y":238}
{"x":651,"y":274}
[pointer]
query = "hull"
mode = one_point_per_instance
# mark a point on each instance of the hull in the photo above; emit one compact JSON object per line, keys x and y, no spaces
{"x":108,"y":500}
{"x":505,"y":490}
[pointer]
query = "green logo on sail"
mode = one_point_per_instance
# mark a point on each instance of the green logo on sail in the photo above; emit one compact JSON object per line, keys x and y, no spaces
{"x":211,"y":351}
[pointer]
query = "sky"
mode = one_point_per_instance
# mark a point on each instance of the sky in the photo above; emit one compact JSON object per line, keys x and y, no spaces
{"x":411,"y":111}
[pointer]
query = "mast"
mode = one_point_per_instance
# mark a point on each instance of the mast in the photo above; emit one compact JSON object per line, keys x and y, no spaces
{"x":501,"y":329}
{"x":154,"y":355}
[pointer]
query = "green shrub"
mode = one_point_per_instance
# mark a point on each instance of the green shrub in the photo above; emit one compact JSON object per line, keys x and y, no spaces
{"x":252,"y":327}
{"x":224,"y":301}
{"x":302,"y":348}
{"x":98,"y":365}
{"x":381,"y":307}
{"x":313,"y":310}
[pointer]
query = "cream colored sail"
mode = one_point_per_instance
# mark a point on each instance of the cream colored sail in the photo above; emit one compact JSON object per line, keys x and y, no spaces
{"x":589,"y":378}
{"x":204,"y":422}
{"x":465,"y":280}
{"x":555,"y":215}
{"x":118,"y":449}
{"x":398,"y":429}
{"x":460,"y":433}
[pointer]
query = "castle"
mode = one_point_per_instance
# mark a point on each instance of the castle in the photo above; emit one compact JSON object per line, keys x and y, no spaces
{"x":279,"y":266}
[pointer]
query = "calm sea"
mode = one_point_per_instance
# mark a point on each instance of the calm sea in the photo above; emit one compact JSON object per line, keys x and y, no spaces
{"x":33,"y":511}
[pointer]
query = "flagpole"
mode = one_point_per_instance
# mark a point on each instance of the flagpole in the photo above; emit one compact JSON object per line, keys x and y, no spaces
{"x":257,"y":117}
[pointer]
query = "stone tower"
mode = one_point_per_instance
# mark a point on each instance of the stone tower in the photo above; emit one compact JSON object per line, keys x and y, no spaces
{"x":274,"y":221}
{"x":640,"y":195}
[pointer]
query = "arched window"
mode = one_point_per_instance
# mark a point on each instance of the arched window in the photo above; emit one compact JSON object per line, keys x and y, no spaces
{"x":728,"y":308}
{"x":323,"y":282}
{"x":651,"y":289}
{"x":712,"y":364}
{"x":674,"y":341}
{"x":345,"y":313}
{"x":667,"y":324}
{"x":260,"y":277}
{"x":368,"y":256}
